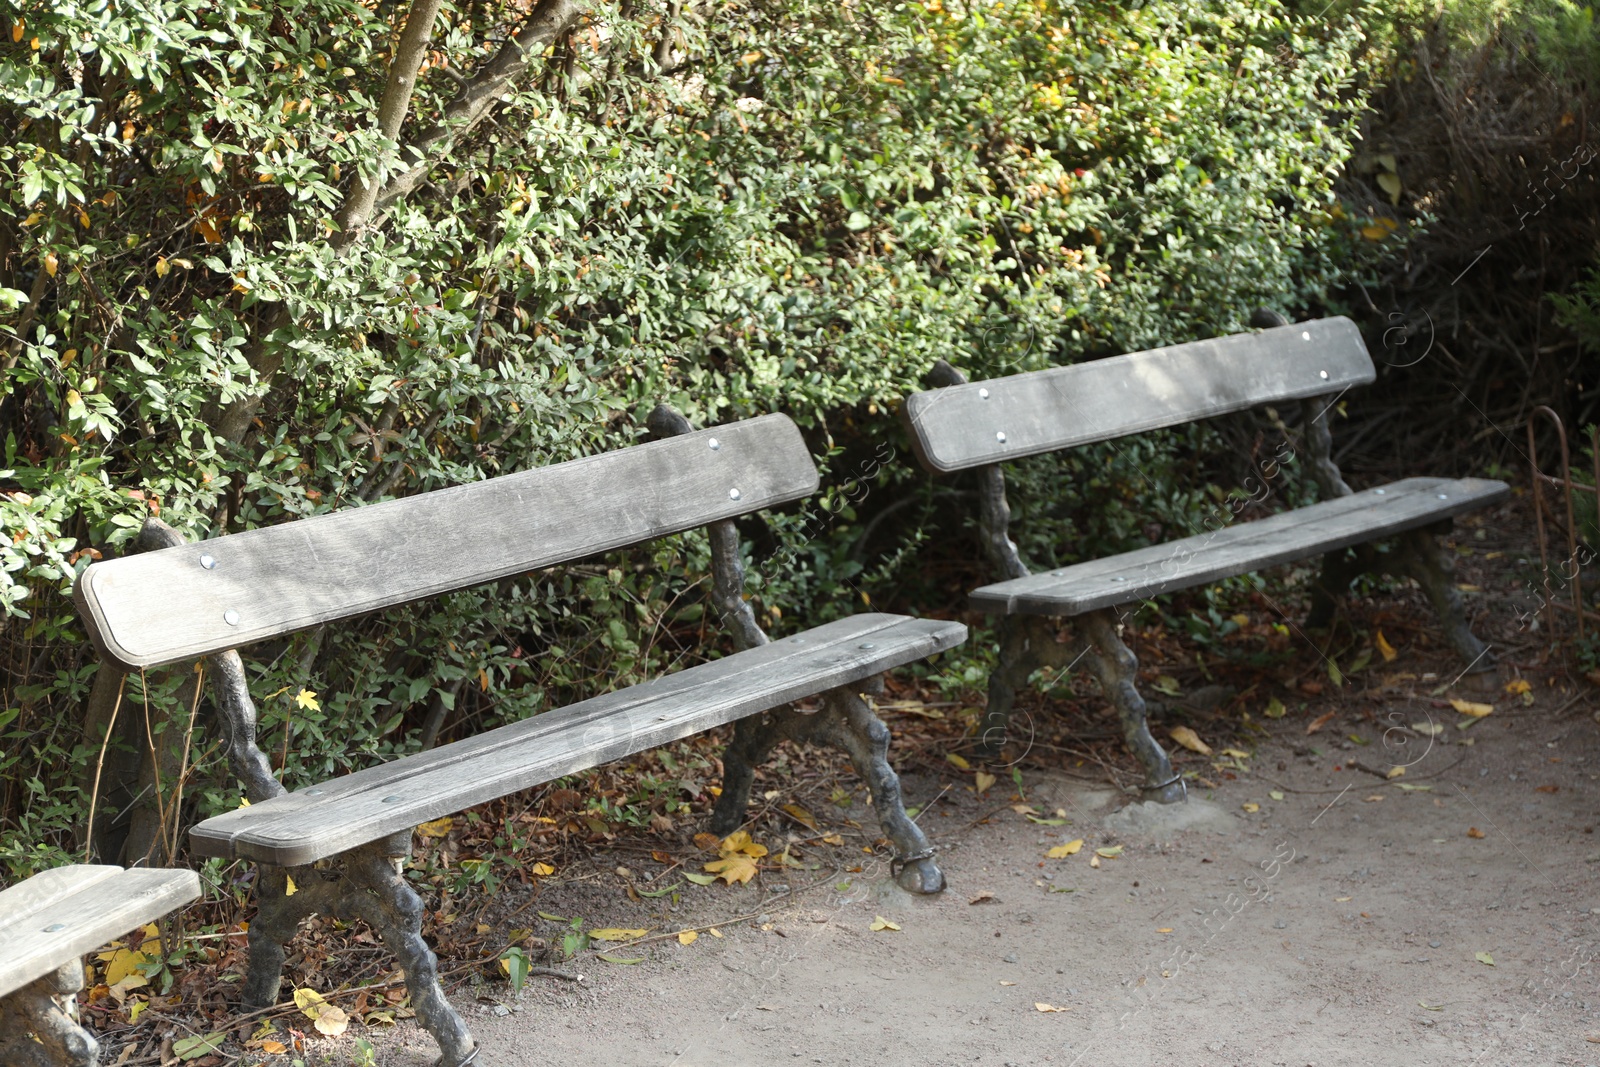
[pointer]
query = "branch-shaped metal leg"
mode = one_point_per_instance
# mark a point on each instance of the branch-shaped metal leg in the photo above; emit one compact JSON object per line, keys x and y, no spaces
{"x":1116,"y":666}
{"x":1017,"y":662}
{"x":1418,"y":556}
{"x":370,"y":887}
{"x":47,"y":1010}
{"x":865,"y":737}
{"x":389,"y":904}
{"x":847,"y":723}
{"x":754,"y":738}
{"x":1339,"y":569}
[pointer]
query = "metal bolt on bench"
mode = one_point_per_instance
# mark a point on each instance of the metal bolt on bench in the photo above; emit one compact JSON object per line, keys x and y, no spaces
{"x":170,"y":605}
{"x":957,"y":428}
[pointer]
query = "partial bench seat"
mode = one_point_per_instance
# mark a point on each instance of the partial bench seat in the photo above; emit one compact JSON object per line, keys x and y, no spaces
{"x":1230,"y":551}
{"x":312,"y":824}
{"x":47,"y":924}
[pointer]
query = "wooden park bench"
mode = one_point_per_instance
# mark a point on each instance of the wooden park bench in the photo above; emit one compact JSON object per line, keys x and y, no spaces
{"x":984,"y":424}
{"x":207,"y":599}
{"x":47,"y":924}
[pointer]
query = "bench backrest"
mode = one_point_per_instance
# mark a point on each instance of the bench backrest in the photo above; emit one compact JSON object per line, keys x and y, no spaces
{"x":193,"y":600}
{"x":980,"y":423}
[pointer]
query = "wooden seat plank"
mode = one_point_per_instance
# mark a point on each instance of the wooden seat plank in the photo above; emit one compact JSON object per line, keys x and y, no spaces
{"x":58,"y":915}
{"x":196,"y":599}
{"x":324,"y":820}
{"x":986,"y":422}
{"x":1239,"y":549}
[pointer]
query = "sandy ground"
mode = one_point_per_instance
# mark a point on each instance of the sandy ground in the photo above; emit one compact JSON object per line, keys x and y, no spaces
{"x":1341,"y":924}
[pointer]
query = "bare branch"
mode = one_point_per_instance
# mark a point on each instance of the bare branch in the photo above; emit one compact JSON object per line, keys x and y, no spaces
{"x":550,"y":19}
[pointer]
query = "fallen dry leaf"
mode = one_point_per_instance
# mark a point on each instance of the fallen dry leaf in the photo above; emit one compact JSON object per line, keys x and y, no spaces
{"x":1250,"y":807}
{"x":985,"y":897}
{"x":1468,"y":707}
{"x":1473,"y":831}
{"x":958,"y":761}
{"x":1547,"y":789}
{"x":1396,"y":772}
{"x":1385,"y":649}
{"x":612,"y":933}
{"x":1320,"y":721}
{"x":331,"y":1020}
{"x":1190,"y":740}
{"x":437,"y":828}
{"x":880,"y":923}
{"x":1040,"y":1005}
{"x":1485,"y":959}
{"x":1061,"y":852}
{"x":733,"y":867}
{"x":983,"y":780}
{"x":687,"y":937}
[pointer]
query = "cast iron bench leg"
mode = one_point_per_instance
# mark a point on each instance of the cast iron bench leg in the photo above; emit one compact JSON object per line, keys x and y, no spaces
{"x":848,"y":723}
{"x":48,"y":1009}
{"x":1117,"y":668}
{"x":1419,"y":556}
{"x":371,"y":887}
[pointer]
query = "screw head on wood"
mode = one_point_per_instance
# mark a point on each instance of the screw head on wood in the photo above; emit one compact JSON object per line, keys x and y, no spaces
{"x":983,"y":394}
{"x":1443,"y":496}
{"x":54,"y":928}
{"x":1119,"y":578}
{"x":208,"y":562}
{"x":1305,"y":335}
{"x":230,"y":617}
{"x":313,"y":792}
{"x":1380,"y":492}
{"x":733,"y":494}
{"x":391,"y":800}
{"x":1322,"y":374}
{"x":716,"y":445}
{"x":1000,"y":436}
{"x":866,"y":644}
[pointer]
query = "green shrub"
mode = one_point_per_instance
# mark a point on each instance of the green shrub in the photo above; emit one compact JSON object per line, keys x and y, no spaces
{"x":808,"y":205}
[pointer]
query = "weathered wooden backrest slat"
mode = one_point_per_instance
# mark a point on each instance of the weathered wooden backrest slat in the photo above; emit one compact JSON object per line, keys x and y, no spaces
{"x":1029,"y":414}
{"x":184,"y":602}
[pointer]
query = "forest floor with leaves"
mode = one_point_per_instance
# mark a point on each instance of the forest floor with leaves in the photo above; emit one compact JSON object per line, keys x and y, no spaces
{"x":1310,"y":904}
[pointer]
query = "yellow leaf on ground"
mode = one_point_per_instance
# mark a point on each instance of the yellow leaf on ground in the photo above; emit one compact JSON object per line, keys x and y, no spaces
{"x":833,"y":839}
{"x":1275,"y":709}
{"x":1094,"y":861}
{"x":1251,"y":808}
{"x":687,"y":937}
{"x":983,"y":781}
{"x":713,"y":931}
{"x":801,"y":816}
{"x":880,"y":923}
{"x":308,"y":1001}
{"x":1236,"y":753}
{"x":958,"y":761}
{"x":735,"y":867}
{"x":1319,"y":722}
{"x":1396,"y":772}
{"x":1468,"y":707}
{"x":273,"y":1048}
{"x":1385,"y":649}
{"x":1518,"y":686}
{"x":1190,"y":740}
{"x":542,"y":869}
{"x":437,"y":828}
{"x":289,"y":888}
{"x":1109,"y":852}
{"x":1474,"y":832}
{"x":612,"y":933}
{"x":1061,"y":852}
{"x":332,"y":1021}
{"x":123,"y":963}
{"x":1040,"y":1005}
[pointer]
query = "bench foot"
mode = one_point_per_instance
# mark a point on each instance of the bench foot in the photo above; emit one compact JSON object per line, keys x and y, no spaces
{"x":845,"y":722}
{"x":1117,"y":668}
{"x":48,"y":1010}
{"x":371,"y":887}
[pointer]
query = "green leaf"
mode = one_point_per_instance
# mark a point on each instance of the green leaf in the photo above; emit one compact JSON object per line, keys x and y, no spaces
{"x":192,"y":1048}
{"x":620,"y":959}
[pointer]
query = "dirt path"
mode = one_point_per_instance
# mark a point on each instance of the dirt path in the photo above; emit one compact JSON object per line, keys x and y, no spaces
{"x":1327,"y":928}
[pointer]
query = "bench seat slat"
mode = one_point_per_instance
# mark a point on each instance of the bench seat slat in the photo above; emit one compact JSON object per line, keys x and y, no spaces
{"x":1239,"y":549}
{"x":93,"y":904}
{"x":162,"y":607}
{"x":1029,"y":414}
{"x":322,"y":821}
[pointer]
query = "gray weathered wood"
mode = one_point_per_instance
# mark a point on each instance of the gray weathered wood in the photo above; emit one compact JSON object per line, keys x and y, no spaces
{"x":988,"y":422}
{"x":91,"y":905}
{"x":328,"y":819}
{"x":1241,"y":548}
{"x":163,"y":607}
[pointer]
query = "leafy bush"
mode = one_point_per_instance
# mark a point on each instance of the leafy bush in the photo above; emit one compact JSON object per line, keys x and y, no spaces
{"x":779,"y":205}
